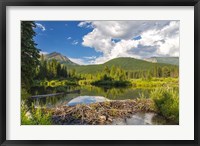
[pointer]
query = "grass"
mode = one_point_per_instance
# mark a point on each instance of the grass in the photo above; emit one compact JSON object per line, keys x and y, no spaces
{"x":155,"y":82}
{"x":35,"y":116}
{"x":31,"y":115}
{"x":166,"y":102}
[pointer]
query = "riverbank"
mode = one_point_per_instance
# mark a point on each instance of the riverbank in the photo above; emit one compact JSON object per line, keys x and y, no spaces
{"x":102,"y":113}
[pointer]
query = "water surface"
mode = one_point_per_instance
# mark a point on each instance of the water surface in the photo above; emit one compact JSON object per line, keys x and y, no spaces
{"x":143,"y":119}
{"x":109,"y":93}
{"x":92,"y":94}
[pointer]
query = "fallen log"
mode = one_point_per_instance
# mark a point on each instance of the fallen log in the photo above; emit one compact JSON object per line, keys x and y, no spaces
{"x":55,"y":94}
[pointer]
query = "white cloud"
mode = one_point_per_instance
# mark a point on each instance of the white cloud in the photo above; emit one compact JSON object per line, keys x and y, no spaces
{"x":69,"y":38}
{"x":44,"y":53}
{"x":81,"y":24}
{"x":86,"y":24}
{"x":78,"y":61}
{"x":42,"y":27}
{"x":90,"y":57}
{"x":166,"y":39}
{"x":75,"y":42}
{"x":158,"y":38}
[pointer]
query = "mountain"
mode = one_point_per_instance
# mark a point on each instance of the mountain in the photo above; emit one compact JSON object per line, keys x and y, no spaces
{"x":59,"y":57}
{"x":126,"y":63}
{"x":166,"y":60}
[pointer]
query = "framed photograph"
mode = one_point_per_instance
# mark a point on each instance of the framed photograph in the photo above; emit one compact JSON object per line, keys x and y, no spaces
{"x":99,"y":72}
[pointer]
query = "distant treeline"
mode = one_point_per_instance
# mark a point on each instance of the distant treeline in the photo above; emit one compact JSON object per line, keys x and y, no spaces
{"x":117,"y":73}
{"x":53,"y":69}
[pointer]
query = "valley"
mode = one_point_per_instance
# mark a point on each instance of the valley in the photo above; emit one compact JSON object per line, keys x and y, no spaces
{"x":100,"y":72}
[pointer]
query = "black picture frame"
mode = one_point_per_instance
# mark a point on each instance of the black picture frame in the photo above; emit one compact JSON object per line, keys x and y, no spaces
{"x":5,"y":3}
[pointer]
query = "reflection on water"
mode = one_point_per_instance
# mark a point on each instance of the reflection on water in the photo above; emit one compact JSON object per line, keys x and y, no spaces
{"x":86,"y":100}
{"x":109,"y":93}
{"x":143,"y":119}
{"x":91,"y":94}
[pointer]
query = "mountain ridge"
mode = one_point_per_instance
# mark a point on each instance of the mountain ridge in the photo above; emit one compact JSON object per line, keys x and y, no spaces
{"x":126,"y":63}
{"x":166,"y":60}
{"x":59,"y":57}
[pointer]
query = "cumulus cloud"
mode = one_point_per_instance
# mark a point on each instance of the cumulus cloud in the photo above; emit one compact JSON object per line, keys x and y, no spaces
{"x":69,"y":38}
{"x":40,"y":26}
{"x":44,"y":53}
{"x":90,"y":57}
{"x":85,"y":24}
{"x":117,"y":39}
{"x":78,"y":61}
{"x":75,"y":42}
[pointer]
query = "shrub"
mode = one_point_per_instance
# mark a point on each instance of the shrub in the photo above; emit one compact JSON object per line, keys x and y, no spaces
{"x":30,"y":115}
{"x":166,"y":102}
{"x":34,"y":116}
{"x":41,"y":117}
{"x":114,"y":83}
{"x":25,"y":117}
{"x":155,"y":82}
{"x":24,"y":94}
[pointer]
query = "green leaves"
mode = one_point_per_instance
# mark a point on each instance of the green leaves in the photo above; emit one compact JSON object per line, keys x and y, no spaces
{"x":167,"y":102}
{"x":29,"y":54}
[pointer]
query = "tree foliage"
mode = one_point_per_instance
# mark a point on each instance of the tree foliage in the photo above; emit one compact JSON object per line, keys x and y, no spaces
{"x":51,"y":70}
{"x":29,"y":53}
{"x":117,"y":73}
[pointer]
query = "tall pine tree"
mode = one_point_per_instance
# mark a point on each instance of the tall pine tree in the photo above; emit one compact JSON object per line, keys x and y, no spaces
{"x":29,"y":53}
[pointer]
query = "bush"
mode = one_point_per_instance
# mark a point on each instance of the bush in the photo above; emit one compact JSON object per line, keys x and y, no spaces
{"x":155,"y":82}
{"x":24,"y":94}
{"x":166,"y":102}
{"x":30,"y":115}
{"x":34,"y":116}
{"x":41,"y":117}
{"x":25,"y":116}
{"x":115,"y":83}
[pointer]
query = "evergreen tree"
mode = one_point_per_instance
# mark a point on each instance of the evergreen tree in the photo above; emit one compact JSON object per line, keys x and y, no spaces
{"x":113,"y":71}
{"x":106,"y":70}
{"x":165,"y":71}
{"x":130,"y":75}
{"x":159,"y":72}
{"x":29,"y":54}
{"x":58,"y":69}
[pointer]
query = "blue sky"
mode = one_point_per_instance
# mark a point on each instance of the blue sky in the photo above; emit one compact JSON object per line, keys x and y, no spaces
{"x":95,"y":42}
{"x":64,"y":37}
